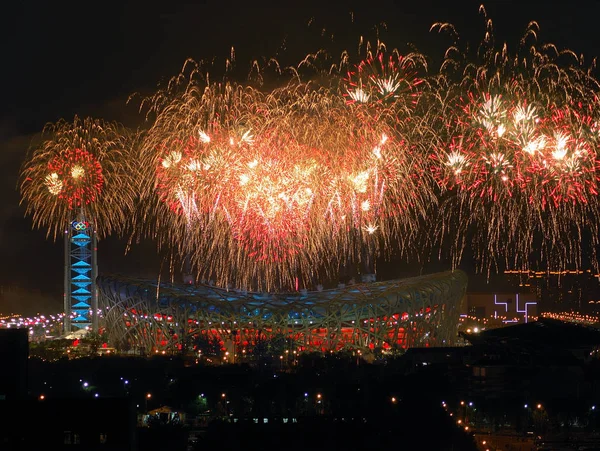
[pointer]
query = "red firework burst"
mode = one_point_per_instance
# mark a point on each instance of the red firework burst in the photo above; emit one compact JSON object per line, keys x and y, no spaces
{"x":75,"y":176}
{"x":565,"y":168}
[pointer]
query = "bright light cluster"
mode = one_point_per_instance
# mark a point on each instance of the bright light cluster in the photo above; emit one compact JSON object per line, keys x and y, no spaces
{"x":75,"y":176}
{"x":38,"y":326}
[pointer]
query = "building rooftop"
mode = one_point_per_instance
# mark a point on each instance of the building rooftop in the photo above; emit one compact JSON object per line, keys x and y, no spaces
{"x":545,"y":332}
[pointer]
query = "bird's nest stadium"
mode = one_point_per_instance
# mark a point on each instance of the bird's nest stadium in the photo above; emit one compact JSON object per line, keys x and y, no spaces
{"x":394,"y":314}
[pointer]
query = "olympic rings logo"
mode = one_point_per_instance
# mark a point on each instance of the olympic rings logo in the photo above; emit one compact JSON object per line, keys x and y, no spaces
{"x":80,"y":225}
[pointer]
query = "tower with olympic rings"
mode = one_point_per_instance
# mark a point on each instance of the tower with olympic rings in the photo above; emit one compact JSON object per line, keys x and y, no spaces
{"x":81,"y":270}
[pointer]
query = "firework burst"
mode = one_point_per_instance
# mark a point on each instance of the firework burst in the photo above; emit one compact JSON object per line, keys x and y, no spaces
{"x":79,"y":170}
{"x":517,"y":152}
{"x":265,"y":190}
{"x":384,"y":79}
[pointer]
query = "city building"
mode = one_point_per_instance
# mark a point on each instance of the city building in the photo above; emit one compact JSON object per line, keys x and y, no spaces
{"x":107,"y":424}
{"x":14,"y":351}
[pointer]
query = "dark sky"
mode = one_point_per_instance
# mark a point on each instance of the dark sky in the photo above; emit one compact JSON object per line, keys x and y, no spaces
{"x":65,"y":58}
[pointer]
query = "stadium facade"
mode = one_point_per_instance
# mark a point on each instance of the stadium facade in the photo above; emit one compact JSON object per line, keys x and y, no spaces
{"x":402,"y":313}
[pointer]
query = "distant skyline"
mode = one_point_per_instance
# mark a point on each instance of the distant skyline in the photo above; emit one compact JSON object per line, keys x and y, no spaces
{"x":72,"y":58}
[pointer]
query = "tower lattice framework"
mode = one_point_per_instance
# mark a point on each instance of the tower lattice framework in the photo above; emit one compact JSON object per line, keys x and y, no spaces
{"x":81,"y":271}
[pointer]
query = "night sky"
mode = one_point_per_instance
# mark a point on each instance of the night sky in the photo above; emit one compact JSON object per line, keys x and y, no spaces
{"x":61,"y":59}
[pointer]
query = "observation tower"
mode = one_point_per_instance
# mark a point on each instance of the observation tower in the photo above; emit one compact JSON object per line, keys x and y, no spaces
{"x":81,"y":270}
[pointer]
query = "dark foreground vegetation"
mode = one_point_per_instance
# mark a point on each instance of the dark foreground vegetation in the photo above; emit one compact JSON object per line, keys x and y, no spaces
{"x":320,"y":402}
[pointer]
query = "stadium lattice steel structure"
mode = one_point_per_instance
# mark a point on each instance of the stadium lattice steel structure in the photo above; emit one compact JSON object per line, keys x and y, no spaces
{"x":418,"y":311}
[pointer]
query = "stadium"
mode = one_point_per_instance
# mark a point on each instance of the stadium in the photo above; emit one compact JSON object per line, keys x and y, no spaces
{"x":394,"y":314}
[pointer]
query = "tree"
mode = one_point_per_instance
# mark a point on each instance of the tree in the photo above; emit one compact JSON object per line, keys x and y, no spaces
{"x":271,"y":349}
{"x":208,"y":345}
{"x":92,"y":341}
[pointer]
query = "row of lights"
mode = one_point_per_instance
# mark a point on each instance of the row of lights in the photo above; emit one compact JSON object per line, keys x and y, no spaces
{"x":574,"y":317}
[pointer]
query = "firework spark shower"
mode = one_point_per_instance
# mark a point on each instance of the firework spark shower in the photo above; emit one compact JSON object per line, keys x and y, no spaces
{"x":276,"y":181}
{"x":345,"y":161}
{"x":79,"y":170}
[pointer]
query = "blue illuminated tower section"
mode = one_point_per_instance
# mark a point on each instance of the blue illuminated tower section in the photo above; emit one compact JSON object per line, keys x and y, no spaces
{"x":81,"y":270}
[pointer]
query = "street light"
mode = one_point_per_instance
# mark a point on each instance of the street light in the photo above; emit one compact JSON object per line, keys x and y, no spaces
{"x":226,"y":404}
{"x":148,"y":396}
